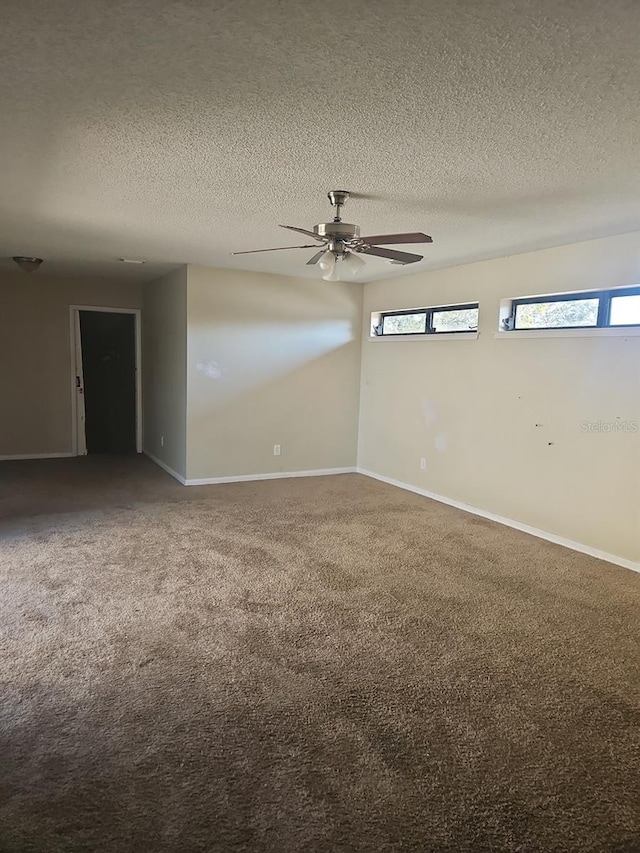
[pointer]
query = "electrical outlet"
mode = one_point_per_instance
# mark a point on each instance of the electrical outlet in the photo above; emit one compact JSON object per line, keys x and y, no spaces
{"x":423,"y":464}
{"x":161,"y":441}
{"x":276,"y":450}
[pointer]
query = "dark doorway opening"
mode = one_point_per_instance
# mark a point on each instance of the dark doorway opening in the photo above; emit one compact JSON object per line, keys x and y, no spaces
{"x":109,"y":379}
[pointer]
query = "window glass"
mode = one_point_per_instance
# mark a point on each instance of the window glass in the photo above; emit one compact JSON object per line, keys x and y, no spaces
{"x":404,"y":324}
{"x":557,"y":314}
{"x":455,"y":320}
{"x":625,"y":310}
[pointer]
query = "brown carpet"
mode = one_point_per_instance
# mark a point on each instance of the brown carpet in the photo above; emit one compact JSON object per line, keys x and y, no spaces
{"x":325,"y":664}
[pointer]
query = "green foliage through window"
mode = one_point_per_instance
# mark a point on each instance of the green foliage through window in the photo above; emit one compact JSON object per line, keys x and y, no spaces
{"x":430,"y":321}
{"x":404,"y":324}
{"x":597,"y":309}
{"x":549,"y":315}
{"x":455,"y":320}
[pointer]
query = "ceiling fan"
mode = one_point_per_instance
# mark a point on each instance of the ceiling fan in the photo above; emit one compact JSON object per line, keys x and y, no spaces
{"x":342,"y":243}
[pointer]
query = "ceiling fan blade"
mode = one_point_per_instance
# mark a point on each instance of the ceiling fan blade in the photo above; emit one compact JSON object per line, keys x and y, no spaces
{"x":316,"y":257}
{"x":304,"y":231}
{"x":277,"y":249}
{"x":390,"y":239}
{"x":391,"y":254}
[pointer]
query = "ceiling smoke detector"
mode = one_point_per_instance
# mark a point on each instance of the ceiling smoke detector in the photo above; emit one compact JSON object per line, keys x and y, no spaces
{"x":27,"y":264}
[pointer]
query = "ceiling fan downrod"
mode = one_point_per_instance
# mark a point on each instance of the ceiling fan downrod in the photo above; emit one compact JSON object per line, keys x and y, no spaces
{"x":338,"y":234}
{"x":338,"y":199}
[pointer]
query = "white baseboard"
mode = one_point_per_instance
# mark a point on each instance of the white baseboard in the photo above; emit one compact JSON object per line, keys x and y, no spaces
{"x":278,"y":475}
{"x":509,"y":522}
{"x":35,"y":456}
{"x":245,"y":478}
{"x":165,"y":467}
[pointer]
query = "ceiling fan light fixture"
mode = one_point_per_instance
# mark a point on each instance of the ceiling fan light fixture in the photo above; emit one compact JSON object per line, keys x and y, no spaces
{"x":327,"y":261}
{"x":339,"y":240}
{"x":352,"y":264}
{"x":333,"y":272}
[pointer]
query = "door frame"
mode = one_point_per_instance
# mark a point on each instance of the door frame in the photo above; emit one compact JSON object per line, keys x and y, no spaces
{"x":78,"y":447}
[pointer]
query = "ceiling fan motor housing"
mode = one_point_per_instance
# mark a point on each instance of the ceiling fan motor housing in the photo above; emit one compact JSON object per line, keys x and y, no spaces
{"x":337,"y":233}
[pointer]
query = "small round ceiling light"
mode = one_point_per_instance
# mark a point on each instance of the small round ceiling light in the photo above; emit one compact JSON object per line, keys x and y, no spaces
{"x":27,"y":264}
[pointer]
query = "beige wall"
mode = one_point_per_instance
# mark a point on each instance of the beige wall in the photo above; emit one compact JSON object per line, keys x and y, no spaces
{"x":35,"y":354}
{"x":235,"y":362}
{"x":499,"y":420}
{"x":271,"y":360}
{"x":164,"y":369}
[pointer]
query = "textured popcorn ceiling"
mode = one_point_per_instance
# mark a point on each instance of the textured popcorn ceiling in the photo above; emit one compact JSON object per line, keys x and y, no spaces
{"x":181,"y":131}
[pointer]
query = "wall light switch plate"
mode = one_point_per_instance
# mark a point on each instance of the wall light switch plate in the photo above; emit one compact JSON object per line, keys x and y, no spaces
{"x":276,"y":450}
